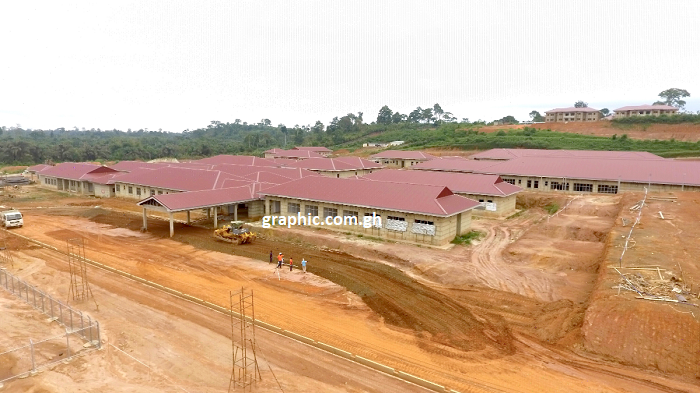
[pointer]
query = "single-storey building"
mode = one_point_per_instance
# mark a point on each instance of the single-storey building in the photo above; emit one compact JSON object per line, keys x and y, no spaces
{"x":77,"y":177}
{"x":401,"y":158}
{"x":292,"y":154}
{"x":583,"y":174}
{"x":337,"y":167}
{"x":645,"y":110}
{"x":416,"y":213}
{"x":509,"y":154}
{"x":324,"y":151}
{"x":496,"y":197}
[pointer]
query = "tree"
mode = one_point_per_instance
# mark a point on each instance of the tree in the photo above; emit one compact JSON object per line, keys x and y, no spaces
{"x":509,"y":120}
{"x":581,"y":104}
{"x":673,"y":97}
{"x":605,"y":112}
{"x":536,"y":116}
{"x":398,"y":117}
{"x":437,"y":110}
{"x":384,"y":116}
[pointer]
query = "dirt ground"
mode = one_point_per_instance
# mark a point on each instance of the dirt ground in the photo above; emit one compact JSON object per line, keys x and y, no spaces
{"x":503,"y":315}
{"x":680,"y":132}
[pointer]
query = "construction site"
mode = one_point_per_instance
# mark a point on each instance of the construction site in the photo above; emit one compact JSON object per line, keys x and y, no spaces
{"x":599,"y":296}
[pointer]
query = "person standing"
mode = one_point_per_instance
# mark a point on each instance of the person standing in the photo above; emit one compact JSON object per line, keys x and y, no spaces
{"x":303,"y":265}
{"x":291,"y":263}
{"x":270,"y":256}
{"x":280,"y":259}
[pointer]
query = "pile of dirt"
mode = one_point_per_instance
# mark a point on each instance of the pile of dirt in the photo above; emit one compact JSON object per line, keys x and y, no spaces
{"x":537,"y":200}
{"x":397,"y":298}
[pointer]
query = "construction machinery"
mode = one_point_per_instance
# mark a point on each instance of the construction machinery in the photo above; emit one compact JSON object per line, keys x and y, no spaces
{"x":235,"y":233}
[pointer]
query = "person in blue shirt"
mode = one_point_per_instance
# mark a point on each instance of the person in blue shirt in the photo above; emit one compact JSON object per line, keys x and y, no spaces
{"x":303,"y":264}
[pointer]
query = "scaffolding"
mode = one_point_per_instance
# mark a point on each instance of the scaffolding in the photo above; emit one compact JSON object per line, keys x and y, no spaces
{"x":245,"y":371}
{"x":79,"y":288}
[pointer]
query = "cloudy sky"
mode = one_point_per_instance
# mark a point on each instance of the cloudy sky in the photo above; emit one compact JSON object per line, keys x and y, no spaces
{"x":176,"y":65}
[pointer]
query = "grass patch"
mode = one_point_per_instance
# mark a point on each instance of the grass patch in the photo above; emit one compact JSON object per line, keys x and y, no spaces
{"x":552,"y":208}
{"x":516,"y":214}
{"x":468,"y":237}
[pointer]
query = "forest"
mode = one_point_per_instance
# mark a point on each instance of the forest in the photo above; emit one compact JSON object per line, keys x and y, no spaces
{"x":422,"y":128}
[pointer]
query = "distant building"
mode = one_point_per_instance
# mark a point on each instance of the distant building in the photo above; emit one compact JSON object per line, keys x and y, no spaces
{"x":572,"y":114}
{"x":324,"y":151}
{"x":645,"y":110}
{"x":401,"y":158}
{"x":377,"y":144}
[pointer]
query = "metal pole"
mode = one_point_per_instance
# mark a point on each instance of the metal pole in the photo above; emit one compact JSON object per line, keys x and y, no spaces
{"x":60,"y":311}
{"x":70,"y":312}
{"x":31,"y":347}
{"x":99,"y":341}
{"x":67,"y":345}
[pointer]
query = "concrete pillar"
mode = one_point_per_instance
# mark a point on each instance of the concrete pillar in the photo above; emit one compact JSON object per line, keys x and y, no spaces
{"x":267,"y":207}
{"x":145,"y":221}
{"x":235,"y":212}
{"x":216,"y":218}
{"x":172,"y":228}
{"x":188,"y":217}
{"x":208,"y":213}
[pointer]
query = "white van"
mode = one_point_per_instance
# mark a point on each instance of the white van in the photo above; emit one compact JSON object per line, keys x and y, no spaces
{"x":11,"y":218}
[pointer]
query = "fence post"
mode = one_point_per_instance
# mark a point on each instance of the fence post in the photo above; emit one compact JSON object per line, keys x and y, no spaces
{"x":90,"y":328}
{"x":82,"y":326}
{"x":51,"y":304}
{"x":34,"y":296}
{"x":43,"y":309}
{"x":70,"y":313}
{"x":99,"y":340}
{"x":67,"y":345}
{"x":31,"y":348}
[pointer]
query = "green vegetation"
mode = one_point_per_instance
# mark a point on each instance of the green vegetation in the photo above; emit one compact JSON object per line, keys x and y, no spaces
{"x":420,"y":129}
{"x":468,"y":237}
{"x":552,"y":208}
{"x":663,"y":119}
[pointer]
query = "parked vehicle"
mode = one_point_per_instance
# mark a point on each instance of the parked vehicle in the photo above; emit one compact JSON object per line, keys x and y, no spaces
{"x":11,"y":218}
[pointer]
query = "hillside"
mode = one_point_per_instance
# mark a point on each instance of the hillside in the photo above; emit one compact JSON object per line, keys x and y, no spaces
{"x":681,"y":132}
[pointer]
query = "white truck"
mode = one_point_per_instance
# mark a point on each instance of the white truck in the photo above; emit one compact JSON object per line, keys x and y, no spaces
{"x":11,"y":218}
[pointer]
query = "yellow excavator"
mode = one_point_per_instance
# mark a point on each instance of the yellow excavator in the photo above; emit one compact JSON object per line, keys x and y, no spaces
{"x":235,"y":233}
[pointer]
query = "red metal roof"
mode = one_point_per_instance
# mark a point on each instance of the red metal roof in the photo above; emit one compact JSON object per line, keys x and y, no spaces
{"x":403,"y":155}
{"x":37,"y":168}
{"x":335,"y":164}
{"x":645,"y":108}
{"x":128,"y":166}
{"x":404,"y":197}
{"x":244,"y":170}
{"x":572,"y":109}
{"x":454,"y":165}
{"x":174,"y":178}
{"x":236,"y":160}
{"x":300,"y":154}
{"x":468,"y":183}
{"x":634,"y":170}
{"x":205,"y":198}
{"x":74,"y":170}
{"x":507,"y":154}
{"x":317,"y":149}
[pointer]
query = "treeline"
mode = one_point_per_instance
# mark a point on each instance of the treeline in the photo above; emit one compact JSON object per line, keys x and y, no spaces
{"x":20,"y":146}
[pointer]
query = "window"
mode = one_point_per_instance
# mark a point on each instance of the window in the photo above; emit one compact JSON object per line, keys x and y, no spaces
{"x":423,"y":227}
{"x":350,"y":213}
{"x":330,"y":212}
{"x":131,"y":190}
{"x":311,"y":209}
{"x":511,"y":181}
{"x":160,"y":192}
{"x":153,"y":192}
{"x":490,"y":201}
{"x":423,"y":222}
{"x":605,"y":189}
{"x":395,"y":223}
{"x":536,"y":184}
{"x":546,"y":183}
{"x":275,"y":207}
{"x":560,"y":186}
{"x":138,"y":190}
{"x":293,"y":208}
{"x":377,"y":220}
{"x":520,"y":181}
{"x":529,"y":184}
{"x":118,"y":188}
{"x":584,"y":187}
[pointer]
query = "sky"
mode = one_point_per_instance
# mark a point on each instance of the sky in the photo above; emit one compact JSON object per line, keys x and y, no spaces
{"x":177,"y":65}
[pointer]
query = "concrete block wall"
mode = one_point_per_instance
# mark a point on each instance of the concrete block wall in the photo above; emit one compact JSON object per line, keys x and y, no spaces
{"x":445,"y":227}
{"x":505,"y":206}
